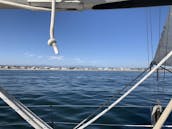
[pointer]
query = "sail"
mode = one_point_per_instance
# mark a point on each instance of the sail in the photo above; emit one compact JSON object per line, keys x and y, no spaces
{"x":165,"y":43}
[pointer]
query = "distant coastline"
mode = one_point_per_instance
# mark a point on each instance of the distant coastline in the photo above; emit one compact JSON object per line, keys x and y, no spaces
{"x":63,"y":68}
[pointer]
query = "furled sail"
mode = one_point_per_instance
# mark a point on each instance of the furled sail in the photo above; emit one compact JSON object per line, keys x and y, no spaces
{"x":165,"y":43}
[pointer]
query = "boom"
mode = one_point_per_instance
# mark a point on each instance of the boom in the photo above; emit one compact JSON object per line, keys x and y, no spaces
{"x":63,"y":5}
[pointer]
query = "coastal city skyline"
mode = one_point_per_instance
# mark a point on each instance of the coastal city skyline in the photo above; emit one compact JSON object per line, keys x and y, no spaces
{"x":113,"y":38}
{"x":68,"y":68}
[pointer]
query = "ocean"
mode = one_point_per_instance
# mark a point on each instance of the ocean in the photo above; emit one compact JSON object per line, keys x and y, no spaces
{"x":65,"y":98}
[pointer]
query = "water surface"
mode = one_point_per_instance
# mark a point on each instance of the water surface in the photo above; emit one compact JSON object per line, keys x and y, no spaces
{"x":49,"y":94}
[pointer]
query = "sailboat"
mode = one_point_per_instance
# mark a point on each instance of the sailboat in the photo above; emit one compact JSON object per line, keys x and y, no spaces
{"x":163,"y":56}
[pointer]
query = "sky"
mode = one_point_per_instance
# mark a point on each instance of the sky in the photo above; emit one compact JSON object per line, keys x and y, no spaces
{"x":106,"y":38}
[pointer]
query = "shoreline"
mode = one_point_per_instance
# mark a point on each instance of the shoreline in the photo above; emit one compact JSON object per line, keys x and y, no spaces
{"x":62,"y":68}
{"x":72,"y":70}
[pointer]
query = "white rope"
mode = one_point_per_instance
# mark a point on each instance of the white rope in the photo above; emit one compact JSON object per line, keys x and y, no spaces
{"x":52,"y":41}
{"x":85,"y":124}
{"x":23,"y":6}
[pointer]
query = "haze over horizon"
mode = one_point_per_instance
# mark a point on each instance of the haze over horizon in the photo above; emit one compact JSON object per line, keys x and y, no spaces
{"x":107,"y":38}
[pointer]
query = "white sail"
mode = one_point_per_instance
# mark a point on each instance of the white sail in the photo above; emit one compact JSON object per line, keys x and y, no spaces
{"x":165,"y":43}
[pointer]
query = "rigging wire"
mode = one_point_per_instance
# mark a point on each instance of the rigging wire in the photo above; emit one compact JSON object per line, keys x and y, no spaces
{"x":149,"y":42}
{"x":166,"y":49}
{"x":157,"y":72}
{"x":86,"y":122}
{"x":160,"y":15}
{"x":147,"y":37}
{"x":110,"y":99}
{"x":166,"y":69}
{"x":168,"y":25}
{"x":159,"y":22}
{"x":151,"y":32}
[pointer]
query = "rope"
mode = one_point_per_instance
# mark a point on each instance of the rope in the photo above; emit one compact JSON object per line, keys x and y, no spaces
{"x":52,"y":41}
{"x":23,"y":6}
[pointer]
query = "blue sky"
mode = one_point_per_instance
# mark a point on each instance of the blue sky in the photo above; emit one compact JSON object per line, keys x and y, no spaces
{"x":113,"y":38}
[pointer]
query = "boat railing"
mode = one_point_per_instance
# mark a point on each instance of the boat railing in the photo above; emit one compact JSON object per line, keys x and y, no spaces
{"x":55,"y":123}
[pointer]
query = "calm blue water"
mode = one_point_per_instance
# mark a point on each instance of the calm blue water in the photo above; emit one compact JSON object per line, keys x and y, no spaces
{"x":53,"y":88}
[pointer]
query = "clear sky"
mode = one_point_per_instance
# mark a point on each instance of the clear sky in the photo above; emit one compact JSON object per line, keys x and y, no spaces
{"x":114,"y":38}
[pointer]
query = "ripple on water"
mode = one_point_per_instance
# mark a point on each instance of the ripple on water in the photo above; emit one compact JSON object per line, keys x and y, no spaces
{"x":80,"y":88}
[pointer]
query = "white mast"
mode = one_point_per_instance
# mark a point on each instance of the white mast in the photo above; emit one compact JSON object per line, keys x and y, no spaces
{"x":23,"y":111}
{"x":83,"y":125}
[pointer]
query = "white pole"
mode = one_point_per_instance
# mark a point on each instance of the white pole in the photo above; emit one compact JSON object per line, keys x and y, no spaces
{"x":164,"y":116}
{"x":126,"y":93}
{"x":23,"y":111}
